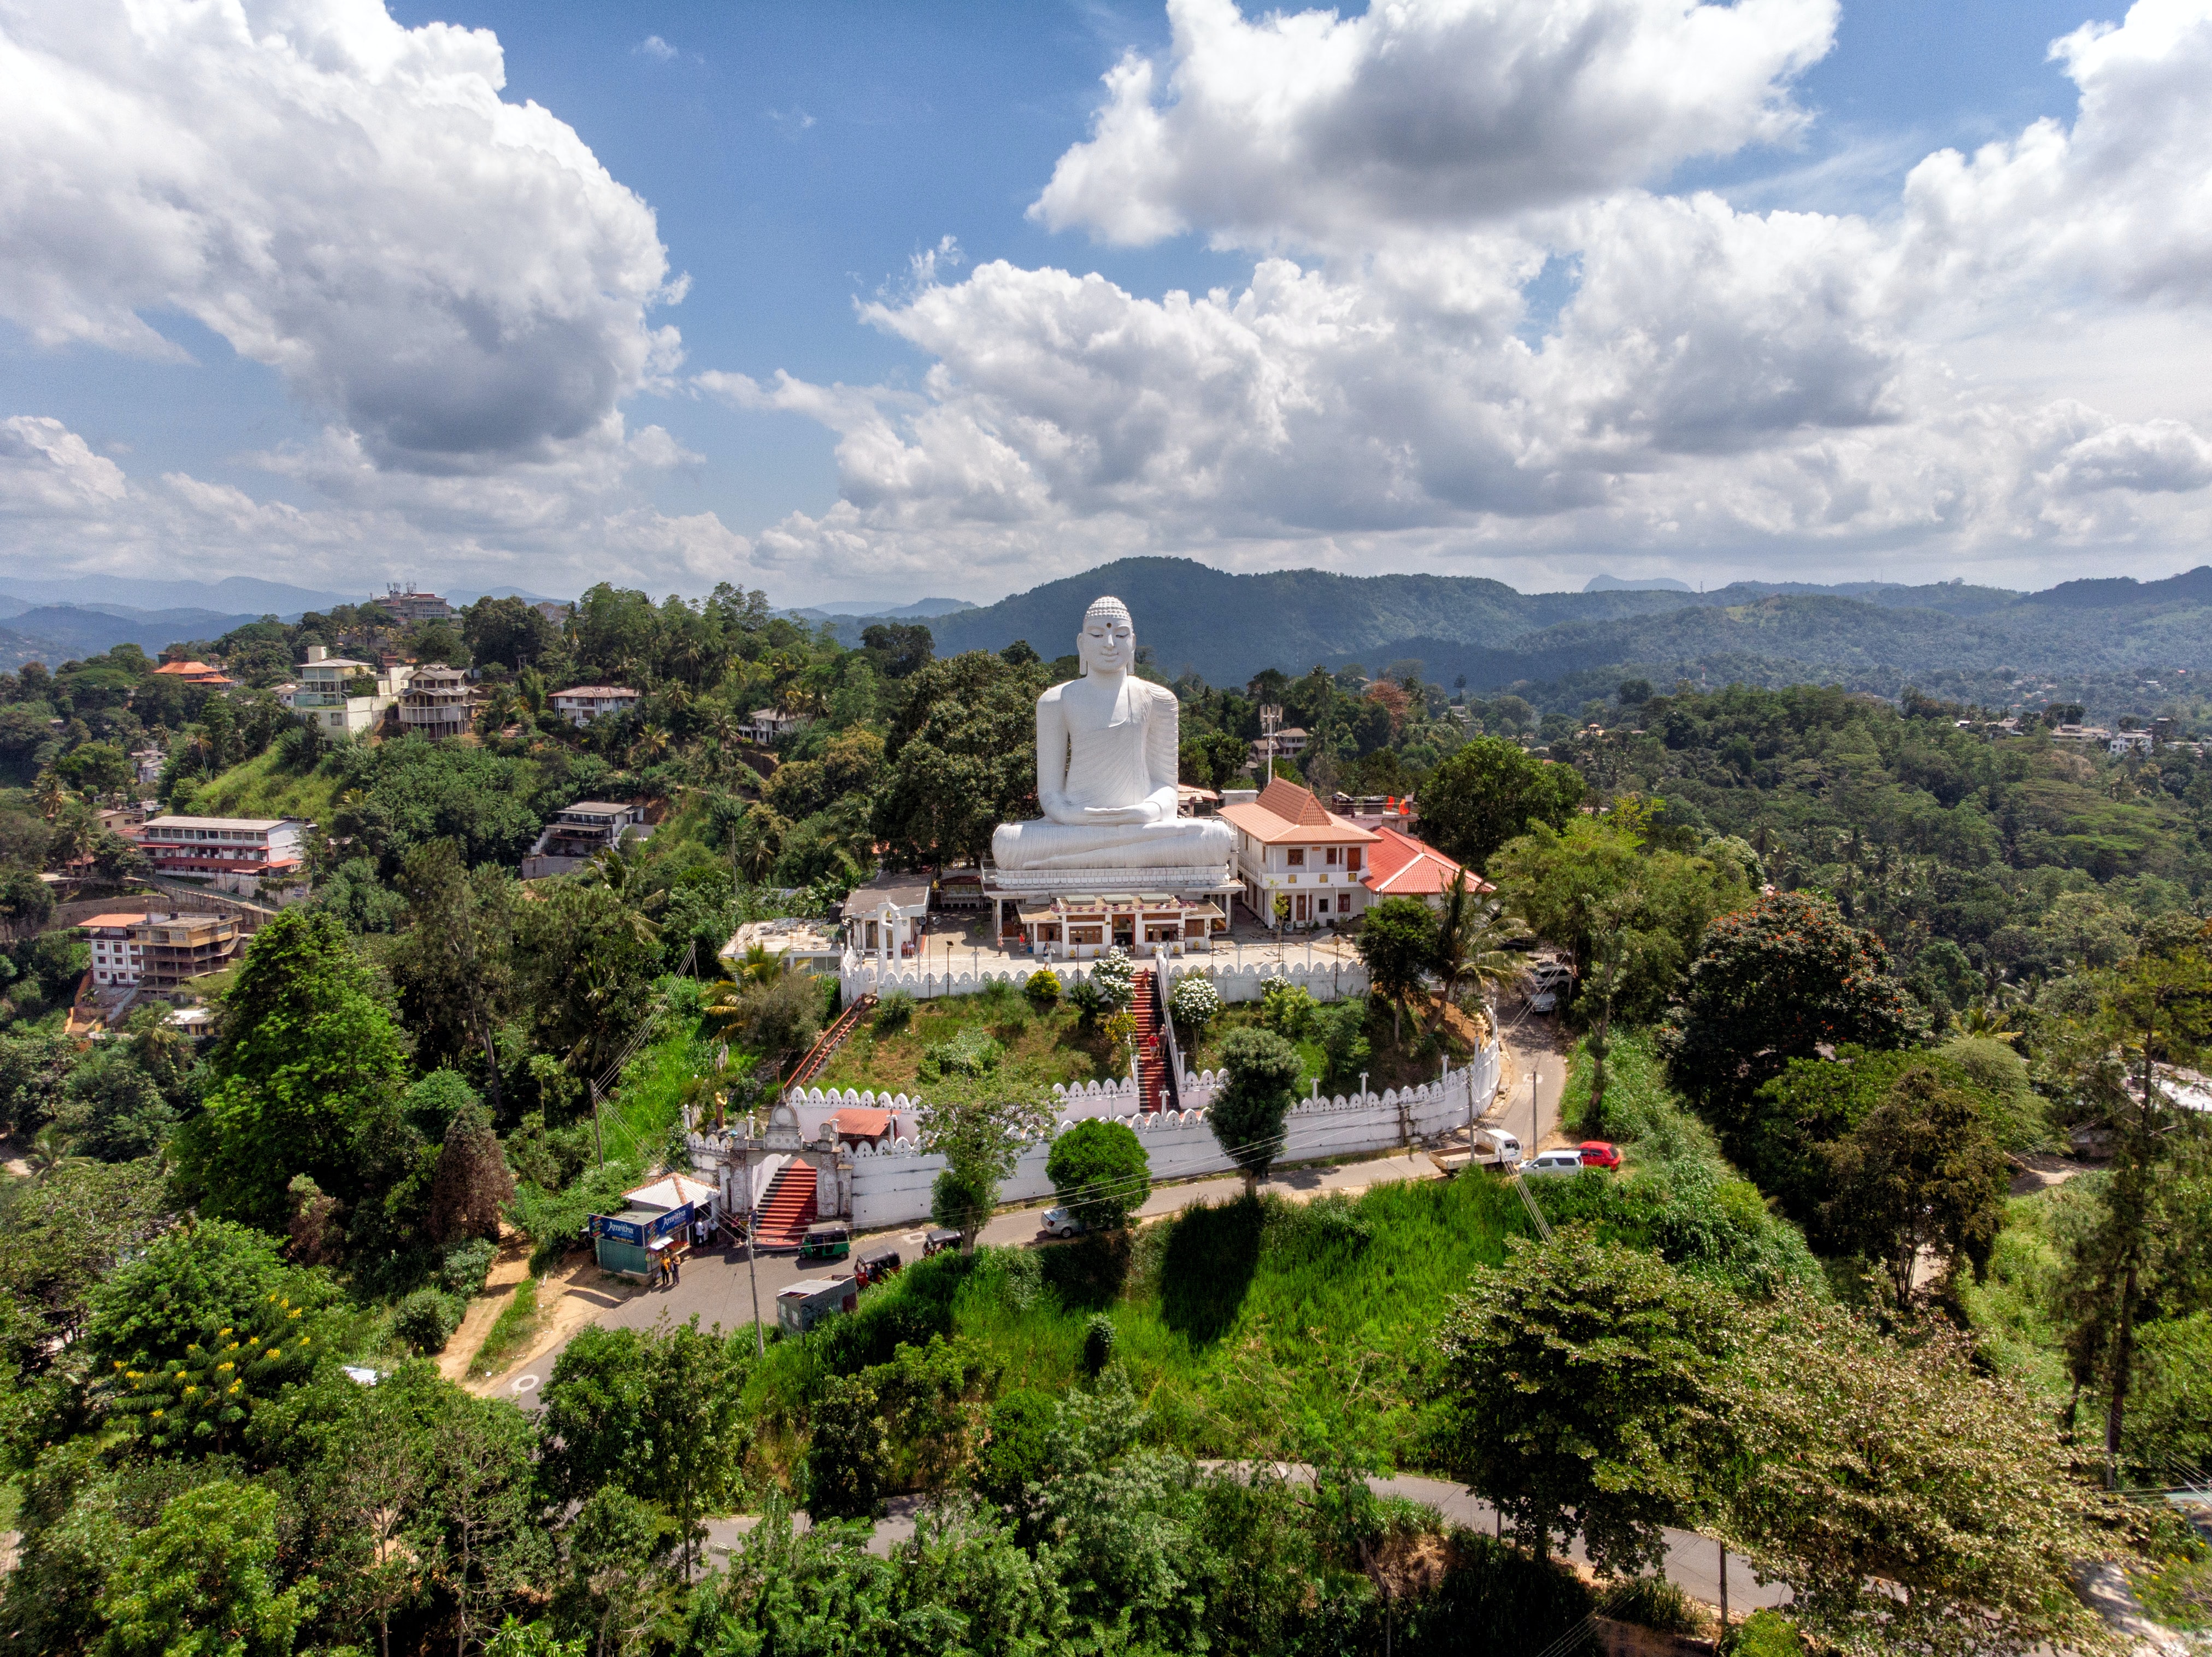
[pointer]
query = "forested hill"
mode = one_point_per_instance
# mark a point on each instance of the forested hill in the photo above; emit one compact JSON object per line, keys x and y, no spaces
{"x":2095,"y":638}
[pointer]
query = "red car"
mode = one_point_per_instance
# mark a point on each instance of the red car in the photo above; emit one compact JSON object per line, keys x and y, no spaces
{"x":1599,"y":1153}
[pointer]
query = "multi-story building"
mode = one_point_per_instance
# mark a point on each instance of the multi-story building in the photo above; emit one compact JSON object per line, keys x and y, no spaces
{"x":438,"y":702}
{"x":331,"y":692}
{"x":411,"y":606}
{"x":579,"y":833}
{"x":1291,"y":846}
{"x":197,"y":673}
{"x":582,"y":703}
{"x":234,"y":850}
{"x":1400,"y":865}
{"x":135,"y":949}
{"x":176,"y":947}
{"x":116,"y":959}
{"x":770,"y":725}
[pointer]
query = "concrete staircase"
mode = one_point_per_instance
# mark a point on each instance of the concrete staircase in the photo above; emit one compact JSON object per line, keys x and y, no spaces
{"x":789,"y":1208}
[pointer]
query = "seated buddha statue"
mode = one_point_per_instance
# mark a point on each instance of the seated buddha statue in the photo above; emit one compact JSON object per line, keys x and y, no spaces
{"x":1106,"y":748}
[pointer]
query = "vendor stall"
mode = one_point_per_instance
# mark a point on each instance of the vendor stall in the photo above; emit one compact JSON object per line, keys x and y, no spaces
{"x":654,"y":1219}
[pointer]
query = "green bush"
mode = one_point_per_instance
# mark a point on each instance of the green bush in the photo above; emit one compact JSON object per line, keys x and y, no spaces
{"x":427,"y":1318}
{"x":893,"y":1013}
{"x":1042,"y":988}
{"x":1100,"y":1170}
{"x":1764,"y":1634}
{"x":972,"y":1052}
{"x":1097,"y":1343}
{"x":466,"y":1266}
{"x":1015,"y":1445}
{"x":1286,"y":1009}
{"x":848,"y":1456}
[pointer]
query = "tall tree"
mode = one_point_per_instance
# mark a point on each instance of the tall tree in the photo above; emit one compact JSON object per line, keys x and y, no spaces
{"x":1249,"y":1106}
{"x":1920,"y":1172}
{"x":979,"y":1132}
{"x":306,"y":1059}
{"x":1492,"y":791}
{"x":1585,"y":1387}
{"x":1397,"y":939}
{"x":454,"y":965}
{"x":961,"y":757}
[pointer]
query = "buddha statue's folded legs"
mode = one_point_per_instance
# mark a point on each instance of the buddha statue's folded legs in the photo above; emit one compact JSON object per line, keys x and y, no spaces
{"x":1179,"y":843}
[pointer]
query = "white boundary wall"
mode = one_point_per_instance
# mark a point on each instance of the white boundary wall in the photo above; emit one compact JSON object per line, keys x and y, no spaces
{"x":1323,"y":980}
{"x":891,"y":1187}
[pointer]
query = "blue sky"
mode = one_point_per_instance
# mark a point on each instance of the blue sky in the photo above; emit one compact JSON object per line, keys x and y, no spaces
{"x":1852,"y":372}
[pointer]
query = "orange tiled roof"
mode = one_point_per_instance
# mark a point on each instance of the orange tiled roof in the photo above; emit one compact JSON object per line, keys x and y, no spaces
{"x":1402,"y":867}
{"x":1284,"y":812}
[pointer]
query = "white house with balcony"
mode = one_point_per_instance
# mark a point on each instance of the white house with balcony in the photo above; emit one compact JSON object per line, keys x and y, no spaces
{"x":332,"y":692}
{"x":768,"y":726}
{"x":438,"y":702}
{"x":1291,"y":846}
{"x":580,"y":704}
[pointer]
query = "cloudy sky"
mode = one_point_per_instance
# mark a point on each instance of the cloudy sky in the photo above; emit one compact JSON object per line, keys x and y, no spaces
{"x":885,"y":301}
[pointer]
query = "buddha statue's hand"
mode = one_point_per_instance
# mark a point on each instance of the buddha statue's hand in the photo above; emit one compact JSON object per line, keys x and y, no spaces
{"x":1110,"y":816}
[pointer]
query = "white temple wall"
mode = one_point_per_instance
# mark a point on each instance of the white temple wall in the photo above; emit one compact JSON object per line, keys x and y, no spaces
{"x":1323,"y":980}
{"x":892,"y":1187}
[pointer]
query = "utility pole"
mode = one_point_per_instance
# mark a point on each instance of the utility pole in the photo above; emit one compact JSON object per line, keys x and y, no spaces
{"x":598,"y":1144}
{"x":752,"y":1252}
{"x":1723,"y":1592}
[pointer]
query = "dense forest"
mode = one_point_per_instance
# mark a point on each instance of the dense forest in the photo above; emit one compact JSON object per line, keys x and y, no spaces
{"x":1848,"y":971}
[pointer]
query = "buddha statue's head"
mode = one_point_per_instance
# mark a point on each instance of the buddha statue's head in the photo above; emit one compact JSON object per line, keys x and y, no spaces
{"x":1107,"y":642}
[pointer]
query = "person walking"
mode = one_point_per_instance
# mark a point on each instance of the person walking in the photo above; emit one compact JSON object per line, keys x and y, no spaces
{"x":675,"y":1265}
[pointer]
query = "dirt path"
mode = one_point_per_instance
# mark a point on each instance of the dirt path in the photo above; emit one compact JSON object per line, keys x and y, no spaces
{"x":510,"y":1267}
{"x":2035,"y":1171}
{"x":577,"y":1293}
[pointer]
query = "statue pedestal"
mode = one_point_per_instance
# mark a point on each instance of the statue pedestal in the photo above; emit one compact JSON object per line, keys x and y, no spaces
{"x":1013,"y":891}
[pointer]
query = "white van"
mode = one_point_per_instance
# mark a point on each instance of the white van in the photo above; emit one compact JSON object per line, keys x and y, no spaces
{"x":1566,"y":1159}
{"x":1495,"y":1145}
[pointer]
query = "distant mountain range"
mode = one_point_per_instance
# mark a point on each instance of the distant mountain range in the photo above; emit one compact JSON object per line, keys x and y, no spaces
{"x":1557,"y":648}
{"x":867,"y":610}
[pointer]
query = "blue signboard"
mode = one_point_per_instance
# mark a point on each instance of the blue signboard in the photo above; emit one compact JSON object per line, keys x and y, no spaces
{"x":642,"y":1231}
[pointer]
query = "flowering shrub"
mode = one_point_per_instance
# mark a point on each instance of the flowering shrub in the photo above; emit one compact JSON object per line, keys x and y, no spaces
{"x":1195,"y":1002}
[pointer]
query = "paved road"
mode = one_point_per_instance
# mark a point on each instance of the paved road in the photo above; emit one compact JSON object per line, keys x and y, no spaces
{"x":1692,"y":1561}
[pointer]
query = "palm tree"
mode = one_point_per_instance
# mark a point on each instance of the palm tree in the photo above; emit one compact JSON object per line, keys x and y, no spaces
{"x":1473,"y":945}
{"x":622,"y":871}
{"x":50,"y":794}
{"x":1985,"y":1019}
{"x":757,"y":966}
{"x":50,"y":1153}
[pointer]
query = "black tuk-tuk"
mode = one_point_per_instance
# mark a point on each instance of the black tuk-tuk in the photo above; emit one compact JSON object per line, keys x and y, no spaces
{"x":874,"y":1268}
{"x":939,"y":1239}
{"x":831,"y":1240}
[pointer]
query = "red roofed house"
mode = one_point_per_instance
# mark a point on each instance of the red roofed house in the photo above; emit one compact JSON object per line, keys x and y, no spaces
{"x":1291,"y":845}
{"x":195,"y":673}
{"x":1402,"y":867}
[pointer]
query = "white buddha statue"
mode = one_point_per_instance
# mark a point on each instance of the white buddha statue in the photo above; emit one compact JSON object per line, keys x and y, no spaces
{"x":1106,"y":748}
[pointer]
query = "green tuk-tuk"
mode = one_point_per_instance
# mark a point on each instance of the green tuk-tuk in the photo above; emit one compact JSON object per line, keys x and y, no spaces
{"x":831,"y":1240}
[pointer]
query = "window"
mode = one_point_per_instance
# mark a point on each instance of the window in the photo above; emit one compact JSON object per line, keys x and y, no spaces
{"x":1335,"y":856}
{"x":1298,"y":857}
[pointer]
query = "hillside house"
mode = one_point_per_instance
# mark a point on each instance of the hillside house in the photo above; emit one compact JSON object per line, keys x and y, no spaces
{"x":1290,"y":845}
{"x":1400,"y":865}
{"x":580,"y":704}
{"x":132,"y":949}
{"x":438,"y":702}
{"x":580,"y":832}
{"x":344,"y":696}
{"x":239,"y":852}
{"x":768,"y":726}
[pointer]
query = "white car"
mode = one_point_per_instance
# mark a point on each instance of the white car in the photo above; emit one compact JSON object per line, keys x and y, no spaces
{"x":1565,"y":1159}
{"x":1060,"y":1222}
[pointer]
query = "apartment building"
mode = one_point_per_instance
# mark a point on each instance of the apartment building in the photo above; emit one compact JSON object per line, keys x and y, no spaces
{"x":411,"y":606}
{"x":232,"y":848}
{"x":137,"y":950}
{"x":1290,"y":845}
{"x":438,"y":702}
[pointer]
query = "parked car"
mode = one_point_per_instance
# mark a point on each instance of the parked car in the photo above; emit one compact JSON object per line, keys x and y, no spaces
{"x":831,"y":1240}
{"x":810,"y":1299}
{"x":938,"y":1239}
{"x":1548,"y":982}
{"x":1599,"y":1153}
{"x":1565,"y":1160}
{"x":1063,"y":1222}
{"x":874,"y":1268}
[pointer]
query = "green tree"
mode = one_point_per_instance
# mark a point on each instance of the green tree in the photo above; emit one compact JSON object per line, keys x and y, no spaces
{"x":1398,"y":940}
{"x":2158,"y":1012}
{"x":454,"y":965}
{"x":308,"y":1058}
{"x":65,"y":1234}
{"x":1101,"y":1173}
{"x":981,"y":1138}
{"x":1911,"y":1502}
{"x":373,"y":1480}
{"x":202,"y":1580}
{"x":962,"y":758}
{"x":1584,"y":1387}
{"x":471,"y":1186}
{"x":511,"y":631}
{"x":587,"y":975}
{"x":1492,"y":791}
{"x":111,"y":1109}
{"x":617,"y":1586}
{"x":848,"y":1451}
{"x":187,"y":1284}
{"x":1474,"y":939}
{"x":1920,"y":1172}
{"x":1260,"y":1069}
{"x":1775,"y":982}
{"x":484,"y":1537}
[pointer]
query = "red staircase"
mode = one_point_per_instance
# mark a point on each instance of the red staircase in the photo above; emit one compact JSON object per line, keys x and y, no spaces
{"x":789,"y":1209}
{"x":1152,"y":1048}
{"x":832,"y":1040}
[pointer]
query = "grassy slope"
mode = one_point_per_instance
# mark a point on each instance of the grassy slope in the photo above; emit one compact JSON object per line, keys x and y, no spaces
{"x":1041,"y":1048}
{"x":262,"y":787}
{"x":1270,"y":1326}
